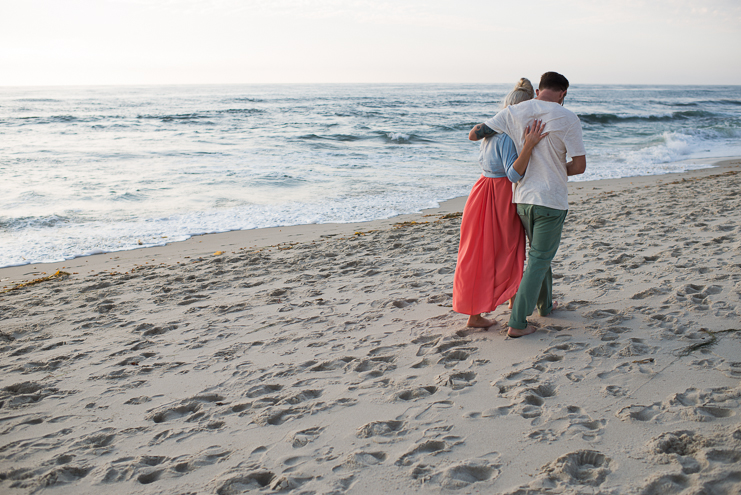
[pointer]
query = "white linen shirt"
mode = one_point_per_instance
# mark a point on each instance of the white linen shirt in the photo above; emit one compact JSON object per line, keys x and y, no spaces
{"x":544,"y":184}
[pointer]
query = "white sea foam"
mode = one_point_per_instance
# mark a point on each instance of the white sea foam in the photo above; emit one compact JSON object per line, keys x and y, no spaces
{"x":71,"y":240}
{"x":398,"y":136}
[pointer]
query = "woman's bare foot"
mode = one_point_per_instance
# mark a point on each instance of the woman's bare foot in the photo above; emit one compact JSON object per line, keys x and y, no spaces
{"x":516,"y":333}
{"x":511,"y":302}
{"x":478,"y":321}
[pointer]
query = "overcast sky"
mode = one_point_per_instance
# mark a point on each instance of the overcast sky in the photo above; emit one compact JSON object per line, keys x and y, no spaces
{"x":63,"y":42}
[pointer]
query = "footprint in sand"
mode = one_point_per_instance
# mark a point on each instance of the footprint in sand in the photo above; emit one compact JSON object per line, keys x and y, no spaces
{"x":26,"y":393}
{"x":566,"y":347}
{"x":459,"y":475}
{"x":304,"y":437}
{"x":661,"y":484}
{"x":691,"y":405}
{"x":60,"y":476}
{"x":100,"y":442}
{"x":681,"y":447}
{"x":583,"y":467}
{"x":604,"y":350}
{"x":424,"y":449}
{"x":457,"y":380}
{"x":652,"y":291}
{"x":548,"y":359}
{"x":454,"y":356}
{"x":259,"y":390}
{"x":528,"y":402}
{"x":414,"y":393}
{"x":579,"y":423}
{"x":731,"y":370}
{"x":427,"y":343}
{"x":256,"y":480}
{"x":614,"y":390}
{"x":612,"y":316}
{"x":192,"y":408}
{"x":359,"y":460}
{"x":374,"y":366}
{"x":381,"y":428}
{"x":148,"y":469}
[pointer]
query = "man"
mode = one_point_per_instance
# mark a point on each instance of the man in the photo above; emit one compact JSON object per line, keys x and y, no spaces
{"x":541,"y":195}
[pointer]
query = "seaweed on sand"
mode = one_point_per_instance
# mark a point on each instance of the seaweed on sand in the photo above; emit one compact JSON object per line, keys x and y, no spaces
{"x":55,"y":275}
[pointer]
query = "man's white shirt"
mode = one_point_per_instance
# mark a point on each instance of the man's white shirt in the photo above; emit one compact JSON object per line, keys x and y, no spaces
{"x":545,"y":180}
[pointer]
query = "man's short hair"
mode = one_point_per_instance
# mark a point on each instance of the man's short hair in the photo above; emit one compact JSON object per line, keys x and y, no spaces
{"x":554,"y":81}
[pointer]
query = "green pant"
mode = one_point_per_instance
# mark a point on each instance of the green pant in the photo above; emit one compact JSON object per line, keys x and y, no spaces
{"x":543,"y":227}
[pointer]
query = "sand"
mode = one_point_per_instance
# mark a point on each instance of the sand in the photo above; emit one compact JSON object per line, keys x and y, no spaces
{"x":327,"y":359}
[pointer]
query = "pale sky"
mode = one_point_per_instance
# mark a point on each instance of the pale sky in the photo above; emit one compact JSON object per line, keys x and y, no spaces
{"x":80,"y":42}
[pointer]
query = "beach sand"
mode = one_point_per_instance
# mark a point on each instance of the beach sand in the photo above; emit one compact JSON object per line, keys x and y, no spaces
{"x":327,"y":359}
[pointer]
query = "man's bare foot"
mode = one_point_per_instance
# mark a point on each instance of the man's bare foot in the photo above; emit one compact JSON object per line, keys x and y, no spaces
{"x":478,"y":321}
{"x":511,"y":302}
{"x":516,"y":333}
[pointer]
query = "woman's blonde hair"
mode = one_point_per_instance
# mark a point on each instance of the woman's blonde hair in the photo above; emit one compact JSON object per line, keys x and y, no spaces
{"x":523,"y":91}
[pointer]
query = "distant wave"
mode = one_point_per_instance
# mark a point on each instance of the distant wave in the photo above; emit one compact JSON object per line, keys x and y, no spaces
{"x":465,"y":126}
{"x":199,"y":117}
{"x":61,"y":118}
{"x":127,"y":196}
{"x":241,"y":110}
{"x":675,"y":103}
{"x":279,"y":180}
{"x":384,"y":104}
{"x":403,"y":138}
{"x":22,"y":223}
{"x":183,"y":117}
{"x":398,"y":137}
{"x":37,"y":100}
{"x":697,"y":103}
{"x":180,"y":116}
{"x":611,"y":118}
{"x":330,"y":137}
{"x":388,"y":137}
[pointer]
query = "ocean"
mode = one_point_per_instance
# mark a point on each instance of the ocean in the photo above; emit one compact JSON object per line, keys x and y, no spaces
{"x":89,"y":170}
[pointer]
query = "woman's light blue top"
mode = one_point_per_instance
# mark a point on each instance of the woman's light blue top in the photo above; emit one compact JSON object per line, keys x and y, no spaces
{"x":497,"y":156}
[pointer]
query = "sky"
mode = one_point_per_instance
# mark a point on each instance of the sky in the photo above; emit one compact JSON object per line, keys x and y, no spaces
{"x":92,"y":42}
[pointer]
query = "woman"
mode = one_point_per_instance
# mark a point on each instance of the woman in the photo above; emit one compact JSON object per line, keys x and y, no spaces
{"x":491,"y":254}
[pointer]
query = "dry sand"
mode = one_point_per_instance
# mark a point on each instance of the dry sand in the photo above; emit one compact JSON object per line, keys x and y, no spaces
{"x":332,"y":362}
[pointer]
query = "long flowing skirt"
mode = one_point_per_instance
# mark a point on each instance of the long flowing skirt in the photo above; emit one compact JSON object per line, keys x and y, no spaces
{"x":491,"y":254}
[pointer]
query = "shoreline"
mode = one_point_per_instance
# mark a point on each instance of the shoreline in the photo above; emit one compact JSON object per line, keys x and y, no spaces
{"x":265,"y":238}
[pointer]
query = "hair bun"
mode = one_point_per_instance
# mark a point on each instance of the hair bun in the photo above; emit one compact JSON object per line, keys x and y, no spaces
{"x":524,"y":84}
{"x":522,"y":91}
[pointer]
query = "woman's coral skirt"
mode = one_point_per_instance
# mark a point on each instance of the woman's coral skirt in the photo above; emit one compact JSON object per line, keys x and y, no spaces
{"x":491,"y":254}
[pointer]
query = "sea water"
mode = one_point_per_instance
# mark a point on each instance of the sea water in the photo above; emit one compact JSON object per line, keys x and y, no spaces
{"x":97,"y":169}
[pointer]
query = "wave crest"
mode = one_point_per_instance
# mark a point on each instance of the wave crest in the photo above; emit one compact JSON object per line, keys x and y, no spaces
{"x":611,"y":118}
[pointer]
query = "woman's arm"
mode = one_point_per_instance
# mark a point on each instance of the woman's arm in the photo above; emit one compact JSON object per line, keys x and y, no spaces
{"x":533,"y":134}
{"x":480,"y":132}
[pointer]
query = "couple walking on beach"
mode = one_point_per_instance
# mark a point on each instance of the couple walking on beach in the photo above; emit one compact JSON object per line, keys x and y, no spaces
{"x":525,"y":144}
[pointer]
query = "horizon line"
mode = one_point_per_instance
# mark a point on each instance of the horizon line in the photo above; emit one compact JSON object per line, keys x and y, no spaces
{"x":79,"y":85}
